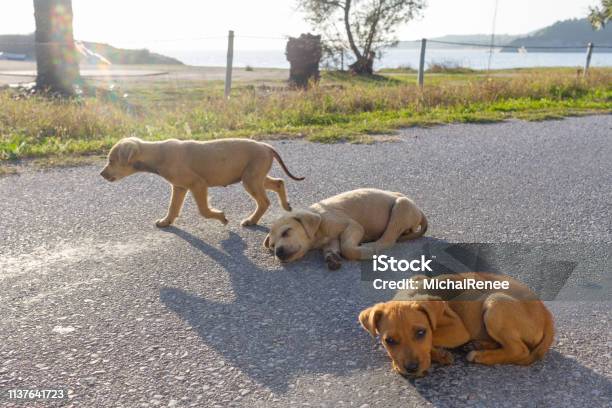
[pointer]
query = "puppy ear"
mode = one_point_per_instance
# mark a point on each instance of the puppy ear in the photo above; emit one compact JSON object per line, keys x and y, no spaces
{"x":369,"y":319}
{"x":445,"y":321}
{"x":434,"y":309}
{"x":310,"y":221}
{"x":128,"y":151}
{"x":266,"y":242}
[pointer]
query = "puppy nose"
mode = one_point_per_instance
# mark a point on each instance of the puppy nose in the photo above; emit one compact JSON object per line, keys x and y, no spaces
{"x":411,"y":367}
{"x":280,"y":252}
{"x":104,"y":174}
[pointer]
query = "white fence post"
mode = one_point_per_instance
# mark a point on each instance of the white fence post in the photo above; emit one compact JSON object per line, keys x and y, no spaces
{"x":230,"y":61}
{"x":422,"y":63}
{"x":588,"y":59}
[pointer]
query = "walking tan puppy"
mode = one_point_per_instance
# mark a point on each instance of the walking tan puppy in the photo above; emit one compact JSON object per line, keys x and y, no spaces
{"x":504,"y":326}
{"x":196,"y":166}
{"x":340,"y":224}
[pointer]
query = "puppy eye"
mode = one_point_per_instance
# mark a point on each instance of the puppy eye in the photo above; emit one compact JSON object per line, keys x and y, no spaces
{"x":420,"y":333}
{"x":390,"y":341}
{"x":285,"y":233}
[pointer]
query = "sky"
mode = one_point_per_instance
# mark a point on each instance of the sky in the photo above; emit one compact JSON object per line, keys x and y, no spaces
{"x":159,"y":25}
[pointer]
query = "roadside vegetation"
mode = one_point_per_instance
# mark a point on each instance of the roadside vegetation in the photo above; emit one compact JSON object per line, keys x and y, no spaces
{"x":448,"y":67}
{"x":341,"y":108}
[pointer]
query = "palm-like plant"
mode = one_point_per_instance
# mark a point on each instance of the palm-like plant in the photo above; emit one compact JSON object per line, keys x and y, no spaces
{"x":600,"y":16}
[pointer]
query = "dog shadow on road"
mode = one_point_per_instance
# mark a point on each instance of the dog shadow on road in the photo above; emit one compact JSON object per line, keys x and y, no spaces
{"x":281,"y":323}
{"x":555,"y":381}
{"x":302,"y":320}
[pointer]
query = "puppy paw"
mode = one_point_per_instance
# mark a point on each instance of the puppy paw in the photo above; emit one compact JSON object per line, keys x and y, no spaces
{"x":334,"y":262}
{"x":471,"y":357}
{"x":163,"y":223}
{"x":368,"y":249}
{"x":247,"y":222}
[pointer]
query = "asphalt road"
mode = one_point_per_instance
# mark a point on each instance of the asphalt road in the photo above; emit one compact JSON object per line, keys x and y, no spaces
{"x":97,"y":300}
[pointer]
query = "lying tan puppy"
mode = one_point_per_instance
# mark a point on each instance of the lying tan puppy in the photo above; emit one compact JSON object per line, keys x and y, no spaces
{"x":341,"y":223}
{"x":196,"y":166}
{"x":504,"y":326}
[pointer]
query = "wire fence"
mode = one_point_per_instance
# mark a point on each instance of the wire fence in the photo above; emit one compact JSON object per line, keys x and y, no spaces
{"x":204,"y":45}
{"x":149,"y":41}
{"x":286,"y":37}
{"x":527,"y":46}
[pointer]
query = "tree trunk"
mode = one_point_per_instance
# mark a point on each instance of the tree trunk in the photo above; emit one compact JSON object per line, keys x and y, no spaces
{"x":56,"y":57}
{"x":364,"y":65}
{"x":349,"y":33}
{"x":304,"y":54}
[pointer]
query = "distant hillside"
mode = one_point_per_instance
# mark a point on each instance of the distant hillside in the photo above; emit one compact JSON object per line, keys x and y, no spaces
{"x":24,"y":44}
{"x":124,"y":56}
{"x":18,"y":44}
{"x":483,"y":39}
{"x":569,"y":33}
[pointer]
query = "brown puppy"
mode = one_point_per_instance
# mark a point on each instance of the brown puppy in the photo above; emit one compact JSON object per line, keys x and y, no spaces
{"x":196,"y":166}
{"x":504,"y":326}
{"x":341,"y":223}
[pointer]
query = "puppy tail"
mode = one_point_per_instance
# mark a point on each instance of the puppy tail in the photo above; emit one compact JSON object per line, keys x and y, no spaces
{"x":282,"y":164}
{"x":540,"y":350}
{"x":414,"y":235}
{"x":424,"y":224}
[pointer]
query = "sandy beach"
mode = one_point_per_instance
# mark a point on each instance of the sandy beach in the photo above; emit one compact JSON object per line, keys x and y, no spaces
{"x":16,"y":72}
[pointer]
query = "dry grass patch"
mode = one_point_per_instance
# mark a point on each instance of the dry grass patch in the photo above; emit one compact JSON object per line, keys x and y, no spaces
{"x":341,"y":108}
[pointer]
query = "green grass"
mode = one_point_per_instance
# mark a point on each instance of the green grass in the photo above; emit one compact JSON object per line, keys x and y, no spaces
{"x":448,"y":67}
{"x":341,"y":108}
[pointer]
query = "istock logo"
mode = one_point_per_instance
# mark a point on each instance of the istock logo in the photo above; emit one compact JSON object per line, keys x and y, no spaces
{"x":384,"y":263}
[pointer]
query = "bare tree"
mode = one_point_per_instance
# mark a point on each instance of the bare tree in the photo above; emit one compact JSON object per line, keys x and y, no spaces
{"x":56,"y":57}
{"x":364,"y":27}
{"x":600,"y":16}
